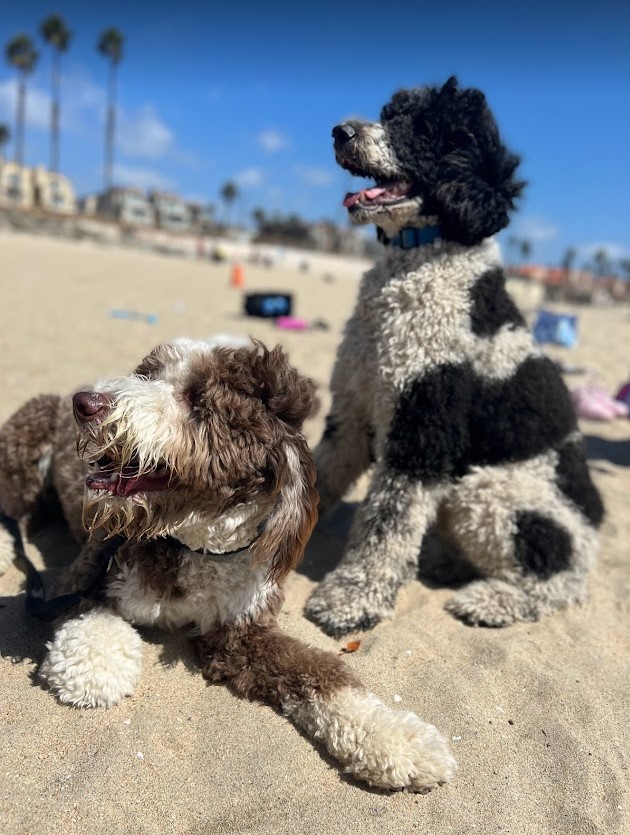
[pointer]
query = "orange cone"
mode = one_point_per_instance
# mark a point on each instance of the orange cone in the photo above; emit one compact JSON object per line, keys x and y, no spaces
{"x":237,"y":278}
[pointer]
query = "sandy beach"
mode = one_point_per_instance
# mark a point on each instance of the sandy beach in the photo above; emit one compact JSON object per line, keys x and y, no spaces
{"x":537,"y":713}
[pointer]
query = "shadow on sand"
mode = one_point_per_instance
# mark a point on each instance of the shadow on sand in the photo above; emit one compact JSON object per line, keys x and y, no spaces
{"x":441,"y":564}
{"x":615,"y":451}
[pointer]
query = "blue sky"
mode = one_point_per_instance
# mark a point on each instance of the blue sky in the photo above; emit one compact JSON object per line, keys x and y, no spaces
{"x":249,"y":91}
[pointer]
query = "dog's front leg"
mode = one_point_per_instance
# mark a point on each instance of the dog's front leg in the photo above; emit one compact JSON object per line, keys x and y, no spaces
{"x":345,"y":451}
{"x":94,"y":660}
{"x":388,"y":748}
{"x":382,"y":553}
{"x":95,"y":657}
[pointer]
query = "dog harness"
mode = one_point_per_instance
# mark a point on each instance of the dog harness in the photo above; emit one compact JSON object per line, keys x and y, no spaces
{"x":39,"y":607}
{"x":36,"y":603}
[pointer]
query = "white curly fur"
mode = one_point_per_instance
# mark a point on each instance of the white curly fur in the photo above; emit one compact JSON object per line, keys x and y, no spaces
{"x":387,"y":748}
{"x":94,"y":660}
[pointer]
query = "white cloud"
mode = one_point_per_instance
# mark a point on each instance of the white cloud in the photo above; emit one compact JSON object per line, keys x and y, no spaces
{"x":534,"y":229}
{"x":314,"y":176}
{"x":143,"y":134}
{"x":614,"y":251}
{"x":145,"y":178}
{"x":37,"y":105}
{"x":82,"y":103}
{"x":250,"y":178}
{"x":140,"y":133}
{"x":272,"y":140}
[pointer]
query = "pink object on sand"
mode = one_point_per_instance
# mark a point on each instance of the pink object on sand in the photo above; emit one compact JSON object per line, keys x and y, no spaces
{"x":291,"y":323}
{"x":623,"y":394}
{"x":593,"y":402}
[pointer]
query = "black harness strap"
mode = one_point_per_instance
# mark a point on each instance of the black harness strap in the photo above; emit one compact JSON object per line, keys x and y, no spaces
{"x":39,"y":607}
{"x":36,"y":604}
{"x":213,"y":556}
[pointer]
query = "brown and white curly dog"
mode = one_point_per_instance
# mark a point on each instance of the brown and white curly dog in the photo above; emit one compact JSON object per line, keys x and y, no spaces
{"x":196,"y":463}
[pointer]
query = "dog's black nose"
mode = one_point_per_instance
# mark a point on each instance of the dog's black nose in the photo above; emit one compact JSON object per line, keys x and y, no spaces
{"x":89,"y":406}
{"x":342,"y":133}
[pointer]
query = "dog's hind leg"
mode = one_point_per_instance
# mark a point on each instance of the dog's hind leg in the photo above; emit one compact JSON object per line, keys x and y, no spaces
{"x":530,"y":541}
{"x":387,"y":748}
{"x":382,"y":553}
{"x":26,"y":442}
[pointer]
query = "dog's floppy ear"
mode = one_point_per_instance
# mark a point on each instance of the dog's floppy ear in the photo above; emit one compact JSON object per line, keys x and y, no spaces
{"x":287,"y":400}
{"x":288,"y":527}
{"x":475,"y":186}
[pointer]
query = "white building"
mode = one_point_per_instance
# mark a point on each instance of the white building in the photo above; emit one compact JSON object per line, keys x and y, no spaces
{"x":172,"y":212}
{"x":128,"y":206}
{"x":53,"y":192}
{"x":16,"y":186}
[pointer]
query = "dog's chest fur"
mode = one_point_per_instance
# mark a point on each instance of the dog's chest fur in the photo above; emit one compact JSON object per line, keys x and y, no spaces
{"x":443,"y":363}
{"x":416,"y":312}
{"x":173,"y":587}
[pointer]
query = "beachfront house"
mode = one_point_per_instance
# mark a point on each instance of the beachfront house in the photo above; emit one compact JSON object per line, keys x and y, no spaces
{"x":128,"y":206}
{"x":172,"y":213}
{"x":53,"y":192}
{"x":16,"y":186}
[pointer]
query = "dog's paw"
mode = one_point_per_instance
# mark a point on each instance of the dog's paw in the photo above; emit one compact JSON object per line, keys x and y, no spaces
{"x":94,"y":660}
{"x":342,"y":603}
{"x":492,"y":603}
{"x":386,"y":748}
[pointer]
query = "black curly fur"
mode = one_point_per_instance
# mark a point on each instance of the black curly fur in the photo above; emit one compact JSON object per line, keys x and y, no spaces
{"x":491,"y":306}
{"x":572,"y":477}
{"x":451,"y":419}
{"x":448,"y":144}
{"x":541,"y":547}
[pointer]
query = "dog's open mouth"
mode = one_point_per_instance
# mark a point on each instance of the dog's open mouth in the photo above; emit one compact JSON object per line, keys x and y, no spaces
{"x":128,"y":479}
{"x":379,"y":195}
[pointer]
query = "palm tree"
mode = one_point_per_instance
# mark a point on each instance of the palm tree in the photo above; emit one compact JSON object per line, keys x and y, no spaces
{"x":229,"y":193}
{"x":569,"y":258}
{"x":22,"y":55}
{"x":526,"y":249}
{"x":601,"y":262}
{"x":5,"y":135}
{"x":110,"y":45}
{"x":55,"y":33}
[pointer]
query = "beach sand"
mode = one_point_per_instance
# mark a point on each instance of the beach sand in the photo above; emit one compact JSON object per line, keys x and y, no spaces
{"x":537,"y":713}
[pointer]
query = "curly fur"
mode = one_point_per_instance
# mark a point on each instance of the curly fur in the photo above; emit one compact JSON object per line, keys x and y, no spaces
{"x":439,"y":384}
{"x":447,"y":143}
{"x":199,"y":460}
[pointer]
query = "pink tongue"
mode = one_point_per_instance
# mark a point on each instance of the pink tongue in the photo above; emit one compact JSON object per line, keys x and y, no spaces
{"x":369,"y":193}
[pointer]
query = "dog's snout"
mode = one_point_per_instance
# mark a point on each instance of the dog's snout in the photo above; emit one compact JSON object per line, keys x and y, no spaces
{"x":342,"y":134}
{"x":89,"y":406}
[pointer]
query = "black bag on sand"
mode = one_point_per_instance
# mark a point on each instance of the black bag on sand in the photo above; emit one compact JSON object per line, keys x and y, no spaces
{"x":268,"y":305}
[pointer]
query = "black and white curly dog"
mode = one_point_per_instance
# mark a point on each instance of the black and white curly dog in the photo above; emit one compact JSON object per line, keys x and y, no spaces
{"x":440,"y":386}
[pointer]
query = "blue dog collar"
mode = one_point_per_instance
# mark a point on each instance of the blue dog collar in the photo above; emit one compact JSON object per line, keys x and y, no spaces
{"x":412,"y":237}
